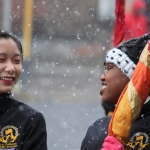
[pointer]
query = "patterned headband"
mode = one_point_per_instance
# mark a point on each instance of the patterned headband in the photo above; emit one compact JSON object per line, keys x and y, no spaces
{"x":121,"y":60}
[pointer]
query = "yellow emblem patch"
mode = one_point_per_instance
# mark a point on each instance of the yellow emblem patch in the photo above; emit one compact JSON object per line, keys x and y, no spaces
{"x":138,"y":141}
{"x":8,"y":136}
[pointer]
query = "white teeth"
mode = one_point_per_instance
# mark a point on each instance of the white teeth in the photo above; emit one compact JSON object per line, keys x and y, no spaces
{"x":7,"y":79}
{"x":104,"y":86}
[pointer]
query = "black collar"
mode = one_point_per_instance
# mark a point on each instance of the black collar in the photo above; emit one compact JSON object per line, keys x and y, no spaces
{"x":4,"y":101}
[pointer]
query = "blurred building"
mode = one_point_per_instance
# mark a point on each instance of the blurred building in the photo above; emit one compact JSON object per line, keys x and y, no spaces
{"x":65,"y":18}
{"x":56,"y":18}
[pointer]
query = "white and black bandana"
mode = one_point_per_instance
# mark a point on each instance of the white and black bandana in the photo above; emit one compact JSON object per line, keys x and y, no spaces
{"x":121,"y":60}
{"x":126,"y":56}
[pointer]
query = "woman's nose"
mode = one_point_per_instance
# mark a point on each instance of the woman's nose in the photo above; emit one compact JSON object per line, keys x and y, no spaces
{"x":102,"y":77}
{"x":10,"y":67}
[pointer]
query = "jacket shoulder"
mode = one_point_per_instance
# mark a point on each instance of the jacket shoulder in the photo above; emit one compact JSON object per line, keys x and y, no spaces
{"x":96,"y":134}
{"x":23,"y":109}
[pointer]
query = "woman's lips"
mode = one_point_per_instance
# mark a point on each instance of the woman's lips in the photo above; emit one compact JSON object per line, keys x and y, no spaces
{"x":103,"y":88}
{"x":7,"y":80}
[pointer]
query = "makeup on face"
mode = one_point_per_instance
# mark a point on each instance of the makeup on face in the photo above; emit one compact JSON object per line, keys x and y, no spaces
{"x":10,"y":64}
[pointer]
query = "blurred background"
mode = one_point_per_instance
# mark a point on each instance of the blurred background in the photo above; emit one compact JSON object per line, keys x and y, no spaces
{"x":64,"y":42}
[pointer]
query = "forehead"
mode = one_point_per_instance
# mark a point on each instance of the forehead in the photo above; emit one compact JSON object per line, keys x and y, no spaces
{"x":8,"y":47}
{"x":8,"y":43}
{"x":6,"y":40}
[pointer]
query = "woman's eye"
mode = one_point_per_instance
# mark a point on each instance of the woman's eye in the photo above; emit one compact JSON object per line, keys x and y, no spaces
{"x":2,"y":59}
{"x":108,"y":67}
{"x":17,"y":61}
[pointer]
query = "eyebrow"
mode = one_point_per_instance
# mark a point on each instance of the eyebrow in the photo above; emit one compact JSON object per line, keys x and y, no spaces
{"x":14,"y":55}
{"x":107,"y":63}
{"x":17,"y":55}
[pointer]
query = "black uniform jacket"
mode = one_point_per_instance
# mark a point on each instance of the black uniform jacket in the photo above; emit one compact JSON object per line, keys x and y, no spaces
{"x":21,"y":127}
{"x":139,"y":138}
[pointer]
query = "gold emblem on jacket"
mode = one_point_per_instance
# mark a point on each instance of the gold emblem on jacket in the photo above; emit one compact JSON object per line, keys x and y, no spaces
{"x":138,"y":141}
{"x":8,"y":136}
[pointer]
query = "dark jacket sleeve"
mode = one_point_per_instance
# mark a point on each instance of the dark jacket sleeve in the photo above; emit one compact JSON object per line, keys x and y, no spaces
{"x":96,"y":134}
{"x":36,"y":135}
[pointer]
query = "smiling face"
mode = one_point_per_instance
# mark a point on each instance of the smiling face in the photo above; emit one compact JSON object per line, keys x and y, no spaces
{"x":113,"y":83}
{"x":10,"y":64}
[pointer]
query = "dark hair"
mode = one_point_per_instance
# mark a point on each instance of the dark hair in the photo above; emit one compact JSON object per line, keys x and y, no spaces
{"x":6,"y":35}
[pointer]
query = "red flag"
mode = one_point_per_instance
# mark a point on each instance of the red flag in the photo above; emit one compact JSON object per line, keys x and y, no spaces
{"x":120,"y":21}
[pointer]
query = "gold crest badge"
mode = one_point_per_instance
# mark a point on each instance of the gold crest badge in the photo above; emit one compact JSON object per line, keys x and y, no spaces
{"x":138,"y":141}
{"x":8,"y":136}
